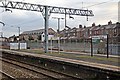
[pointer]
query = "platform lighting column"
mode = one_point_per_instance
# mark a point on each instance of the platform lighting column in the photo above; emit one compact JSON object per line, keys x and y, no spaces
{"x":65,"y":18}
{"x":2,"y":28}
{"x":58,"y":32}
{"x":19,"y":38}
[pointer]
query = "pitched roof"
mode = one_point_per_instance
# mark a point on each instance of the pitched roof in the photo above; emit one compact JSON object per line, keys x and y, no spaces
{"x":109,"y":26}
{"x":50,"y":30}
{"x":34,"y":31}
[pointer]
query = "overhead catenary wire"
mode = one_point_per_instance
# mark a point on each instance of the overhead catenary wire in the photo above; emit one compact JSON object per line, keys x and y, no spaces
{"x":97,"y":4}
{"x":38,"y":19}
{"x":94,"y":5}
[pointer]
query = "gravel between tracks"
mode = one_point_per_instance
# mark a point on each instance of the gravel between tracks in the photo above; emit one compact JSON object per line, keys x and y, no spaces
{"x":23,"y":73}
{"x":56,"y":75}
{"x":18,"y":72}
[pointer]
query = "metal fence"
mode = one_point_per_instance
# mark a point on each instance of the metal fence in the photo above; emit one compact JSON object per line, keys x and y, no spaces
{"x":98,"y":48}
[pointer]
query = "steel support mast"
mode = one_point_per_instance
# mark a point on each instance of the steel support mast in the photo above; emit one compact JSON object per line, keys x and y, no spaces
{"x":46,"y":29}
{"x":46,"y":11}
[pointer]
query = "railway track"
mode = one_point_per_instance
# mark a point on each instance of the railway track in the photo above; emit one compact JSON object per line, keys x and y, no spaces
{"x":53,"y":75}
{"x":6,"y":76}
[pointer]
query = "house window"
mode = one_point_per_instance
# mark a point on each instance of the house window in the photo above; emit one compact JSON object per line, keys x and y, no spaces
{"x":74,"y":34}
{"x":90,"y":32}
{"x":115,"y":30}
{"x":95,"y":32}
{"x":68,"y":34}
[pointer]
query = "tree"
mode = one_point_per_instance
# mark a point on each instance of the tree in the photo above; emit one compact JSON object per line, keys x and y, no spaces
{"x":39,"y":37}
{"x":30,"y":38}
{"x":22,"y":39}
{"x":15,"y":38}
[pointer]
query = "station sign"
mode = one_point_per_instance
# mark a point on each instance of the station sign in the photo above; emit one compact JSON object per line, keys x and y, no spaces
{"x":96,"y":39}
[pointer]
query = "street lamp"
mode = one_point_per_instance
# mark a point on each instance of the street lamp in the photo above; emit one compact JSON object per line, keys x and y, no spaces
{"x":58,"y":22}
{"x":8,"y":10}
{"x":66,"y":25}
{"x":58,"y":32}
{"x":71,"y":17}
{"x":1,"y":29}
{"x":2,"y":23}
{"x":19,"y":38}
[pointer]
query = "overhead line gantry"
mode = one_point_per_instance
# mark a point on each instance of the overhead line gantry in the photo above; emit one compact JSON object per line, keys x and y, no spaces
{"x":46,"y":12}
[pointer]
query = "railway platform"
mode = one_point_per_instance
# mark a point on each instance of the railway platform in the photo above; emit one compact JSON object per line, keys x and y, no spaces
{"x":80,"y":63}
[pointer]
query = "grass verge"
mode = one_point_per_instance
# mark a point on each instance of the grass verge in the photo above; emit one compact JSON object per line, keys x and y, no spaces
{"x":73,"y":56}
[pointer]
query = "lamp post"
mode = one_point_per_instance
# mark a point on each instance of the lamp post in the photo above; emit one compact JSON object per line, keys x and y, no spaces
{"x":58,"y":32}
{"x":66,"y":25}
{"x":19,"y":38}
{"x":6,"y":10}
{"x":1,"y":29}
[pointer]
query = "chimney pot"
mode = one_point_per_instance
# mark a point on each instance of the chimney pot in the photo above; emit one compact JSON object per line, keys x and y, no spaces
{"x":99,"y":25}
{"x":84,"y":26}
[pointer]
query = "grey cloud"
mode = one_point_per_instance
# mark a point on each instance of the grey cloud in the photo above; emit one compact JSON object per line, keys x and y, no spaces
{"x":33,"y":20}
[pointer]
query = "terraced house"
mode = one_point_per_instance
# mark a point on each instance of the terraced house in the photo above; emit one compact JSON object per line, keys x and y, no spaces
{"x":84,"y":33}
{"x":37,"y":35}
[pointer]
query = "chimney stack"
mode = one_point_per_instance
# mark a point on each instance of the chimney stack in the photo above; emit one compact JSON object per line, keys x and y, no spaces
{"x":110,"y":22}
{"x":93,"y":25}
{"x":118,"y":24}
{"x":99,"y":25}
{"x":84,"y":26}
{"x":80,"y":26}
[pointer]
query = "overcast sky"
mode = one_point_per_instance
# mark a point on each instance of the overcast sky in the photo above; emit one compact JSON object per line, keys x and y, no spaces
{"x":104,"y":11}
